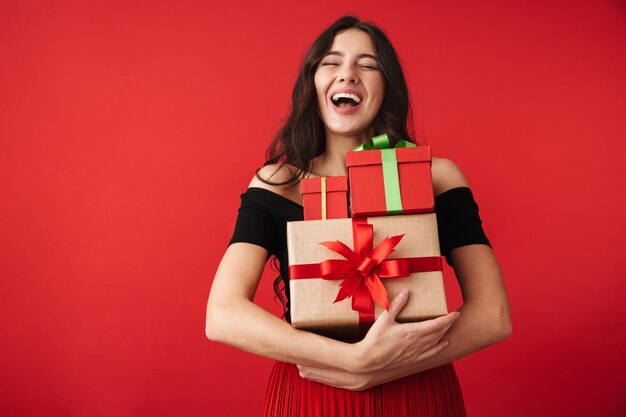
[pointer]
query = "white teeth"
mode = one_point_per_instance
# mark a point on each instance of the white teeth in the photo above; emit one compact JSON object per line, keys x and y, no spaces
{"x":354,"y":97}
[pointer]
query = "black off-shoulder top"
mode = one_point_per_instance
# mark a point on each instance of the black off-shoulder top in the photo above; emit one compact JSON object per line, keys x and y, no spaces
{"x":263,"y":216}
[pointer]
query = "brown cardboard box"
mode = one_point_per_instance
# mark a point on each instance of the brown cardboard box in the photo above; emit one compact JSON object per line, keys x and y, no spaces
{"x":312,"y":306}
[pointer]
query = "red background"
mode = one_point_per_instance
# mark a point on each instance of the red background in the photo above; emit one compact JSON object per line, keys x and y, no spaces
{"x":128,"y":130}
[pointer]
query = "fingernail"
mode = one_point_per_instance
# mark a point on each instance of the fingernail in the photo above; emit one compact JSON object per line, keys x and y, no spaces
{"x":402,"y":294}
{"x":456,"y":315}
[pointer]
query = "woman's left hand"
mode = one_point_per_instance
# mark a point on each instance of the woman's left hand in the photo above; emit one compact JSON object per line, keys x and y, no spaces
{"x":339,"y":379}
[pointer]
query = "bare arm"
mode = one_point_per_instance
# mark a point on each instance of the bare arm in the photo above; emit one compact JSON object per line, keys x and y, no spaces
{"x":484,"y":320}
{"x":234,"y":319}
{"x":485,"y":317}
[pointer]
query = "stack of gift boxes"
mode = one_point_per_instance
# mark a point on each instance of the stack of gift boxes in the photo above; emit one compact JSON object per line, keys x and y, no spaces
{"x":345,"y":270}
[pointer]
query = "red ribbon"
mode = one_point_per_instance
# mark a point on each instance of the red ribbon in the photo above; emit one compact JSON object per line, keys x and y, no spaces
{"x":363,"y":268}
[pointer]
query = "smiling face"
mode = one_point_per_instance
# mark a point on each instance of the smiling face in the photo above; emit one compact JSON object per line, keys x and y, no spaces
{"x":350,"y":86}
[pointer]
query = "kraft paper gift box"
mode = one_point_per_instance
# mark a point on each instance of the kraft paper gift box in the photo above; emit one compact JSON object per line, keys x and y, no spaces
{"x":325,"y":198}
{"x":390,"y":181}
{"x":312,"y":297}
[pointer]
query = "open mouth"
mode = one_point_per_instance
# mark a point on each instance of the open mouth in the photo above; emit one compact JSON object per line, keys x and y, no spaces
{"x":346,"y":100}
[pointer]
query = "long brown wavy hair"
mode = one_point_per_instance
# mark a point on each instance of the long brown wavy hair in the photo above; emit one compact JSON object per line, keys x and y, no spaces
{"x":302,"y":137}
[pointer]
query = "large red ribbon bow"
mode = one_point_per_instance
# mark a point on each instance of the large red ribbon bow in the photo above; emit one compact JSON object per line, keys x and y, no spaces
{"x":363,"y":267}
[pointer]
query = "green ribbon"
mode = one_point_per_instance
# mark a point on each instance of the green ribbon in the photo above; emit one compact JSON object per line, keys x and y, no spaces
{"x":391,"y":179}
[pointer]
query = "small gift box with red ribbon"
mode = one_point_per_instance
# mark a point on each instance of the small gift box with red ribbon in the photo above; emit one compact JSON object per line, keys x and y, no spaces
{"x":387,"y":181}
{"x":343,"y":272}
{"x":325,"y":198}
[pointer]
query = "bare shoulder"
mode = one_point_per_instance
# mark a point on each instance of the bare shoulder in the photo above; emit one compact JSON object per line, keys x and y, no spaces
{"x":446,"y":175}
{"x":277,"y":173}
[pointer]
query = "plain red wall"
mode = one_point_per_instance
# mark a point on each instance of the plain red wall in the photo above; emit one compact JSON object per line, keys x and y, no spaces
{"x":128,"y":130}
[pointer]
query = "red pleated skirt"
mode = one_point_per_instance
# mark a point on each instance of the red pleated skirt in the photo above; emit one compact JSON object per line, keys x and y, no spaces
{"x":435,"y":392}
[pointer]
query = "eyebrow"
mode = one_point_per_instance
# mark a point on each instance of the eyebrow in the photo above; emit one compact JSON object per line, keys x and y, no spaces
{"x":341,"y":54}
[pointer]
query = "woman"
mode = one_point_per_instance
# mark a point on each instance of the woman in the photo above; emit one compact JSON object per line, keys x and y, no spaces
{"x":349,"y":89}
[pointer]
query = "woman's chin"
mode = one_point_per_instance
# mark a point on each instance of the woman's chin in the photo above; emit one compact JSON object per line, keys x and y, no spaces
{"x":356,"y":135}
{"x":349,"y":129}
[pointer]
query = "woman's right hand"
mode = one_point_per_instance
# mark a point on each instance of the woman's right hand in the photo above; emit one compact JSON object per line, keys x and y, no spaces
{"x":390,"y":345}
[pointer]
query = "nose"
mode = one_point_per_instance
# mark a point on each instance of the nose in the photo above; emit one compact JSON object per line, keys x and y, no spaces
{"x":348,"y":74}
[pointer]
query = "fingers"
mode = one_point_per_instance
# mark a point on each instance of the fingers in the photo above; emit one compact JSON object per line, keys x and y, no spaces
{"x":435,"y":325}
{"x":312,"y":374}
{"x":433,"y":351}
{"x":389,"y":344}
{"x":397,"y":304}
{"x":337,"y":379}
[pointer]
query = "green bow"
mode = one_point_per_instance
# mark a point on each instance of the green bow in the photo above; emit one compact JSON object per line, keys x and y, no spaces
{"x":391,"y":179}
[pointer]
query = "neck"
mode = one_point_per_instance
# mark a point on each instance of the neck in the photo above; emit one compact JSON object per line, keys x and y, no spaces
{"x":333,"y":161}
